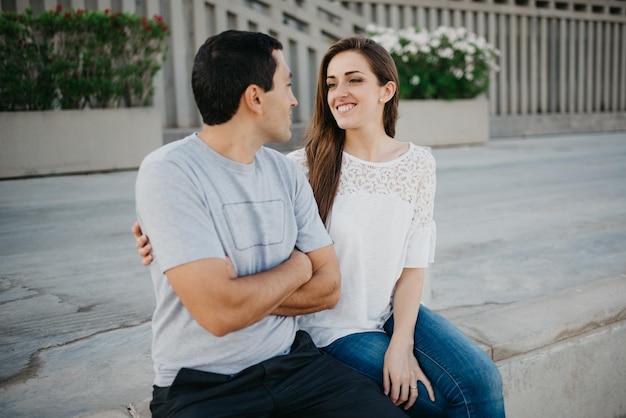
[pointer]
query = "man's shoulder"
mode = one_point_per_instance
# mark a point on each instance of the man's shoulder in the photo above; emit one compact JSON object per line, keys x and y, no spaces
{"x":170,"y":152}
{"x":268,"y":152}
{"x":272,"y":156}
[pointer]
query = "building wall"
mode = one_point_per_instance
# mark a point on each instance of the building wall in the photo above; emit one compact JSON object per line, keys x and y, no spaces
{"x":563,"y":63}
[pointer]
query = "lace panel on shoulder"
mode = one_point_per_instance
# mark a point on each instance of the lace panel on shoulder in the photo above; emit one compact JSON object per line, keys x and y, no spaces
{"x":411,"y":178}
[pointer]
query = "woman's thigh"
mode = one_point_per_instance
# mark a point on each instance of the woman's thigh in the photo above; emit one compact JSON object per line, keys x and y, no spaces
{"x":363,"y":351}
{"x":457,"y":367}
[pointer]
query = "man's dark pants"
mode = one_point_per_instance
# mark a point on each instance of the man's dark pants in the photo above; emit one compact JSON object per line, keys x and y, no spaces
{"x":305,"y":383}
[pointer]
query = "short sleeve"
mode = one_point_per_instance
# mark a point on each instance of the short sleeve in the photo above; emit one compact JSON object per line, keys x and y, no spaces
{"x":171,"y":211}
{"x":423,"y":238}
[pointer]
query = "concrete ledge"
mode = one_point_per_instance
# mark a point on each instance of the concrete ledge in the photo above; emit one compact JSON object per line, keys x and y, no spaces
{"x":527,"y":125}
{"x":134,"y":410}
{"x":580,"y":377}
{"x":526,"y":326}
{"x":443,"y":122}
{"x":560,"y":355}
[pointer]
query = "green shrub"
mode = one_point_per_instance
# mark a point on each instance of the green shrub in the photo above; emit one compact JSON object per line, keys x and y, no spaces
{"x":77,"y":59}
{"x":25,"y":77}
{"x":448,"y":63}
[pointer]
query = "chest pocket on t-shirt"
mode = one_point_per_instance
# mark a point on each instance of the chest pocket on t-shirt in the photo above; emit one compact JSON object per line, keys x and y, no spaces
{"x":256,"y":223}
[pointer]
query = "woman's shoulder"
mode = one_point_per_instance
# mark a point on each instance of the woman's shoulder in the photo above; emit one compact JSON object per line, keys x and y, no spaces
{"x":299,"y":157}
{"x":420,"y":154}
{"x":297,"y":154}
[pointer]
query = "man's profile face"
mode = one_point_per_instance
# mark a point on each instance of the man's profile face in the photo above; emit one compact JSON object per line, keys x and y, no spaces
{"x":279,"y":102}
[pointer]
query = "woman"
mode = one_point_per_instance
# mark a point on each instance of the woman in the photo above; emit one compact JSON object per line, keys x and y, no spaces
{"x":376,"y":197}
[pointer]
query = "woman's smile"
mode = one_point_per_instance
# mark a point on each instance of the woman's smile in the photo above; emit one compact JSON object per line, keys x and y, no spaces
{"x":345,"y":107}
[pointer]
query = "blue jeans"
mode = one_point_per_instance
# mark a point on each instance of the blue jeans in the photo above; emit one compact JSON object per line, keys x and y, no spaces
{"x":465,"y":380}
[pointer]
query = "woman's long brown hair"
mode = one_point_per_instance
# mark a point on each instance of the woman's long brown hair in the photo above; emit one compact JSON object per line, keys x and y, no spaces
{"x":323,"y":139}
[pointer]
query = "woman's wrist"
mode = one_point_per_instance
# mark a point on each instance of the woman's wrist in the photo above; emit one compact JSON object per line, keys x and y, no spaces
{"x":402,"y":339}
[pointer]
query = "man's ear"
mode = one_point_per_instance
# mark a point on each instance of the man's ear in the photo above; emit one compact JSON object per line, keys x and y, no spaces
{"x":252,"y":98}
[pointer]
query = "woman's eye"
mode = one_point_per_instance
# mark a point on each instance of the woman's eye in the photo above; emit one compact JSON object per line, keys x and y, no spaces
{"x":331,"y":85}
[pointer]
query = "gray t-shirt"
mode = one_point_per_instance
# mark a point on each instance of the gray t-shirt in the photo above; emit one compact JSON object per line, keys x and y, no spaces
{"x":195,"y":204}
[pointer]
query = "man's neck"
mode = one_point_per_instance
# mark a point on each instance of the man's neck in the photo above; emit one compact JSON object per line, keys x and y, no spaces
{"x":231,"y":141}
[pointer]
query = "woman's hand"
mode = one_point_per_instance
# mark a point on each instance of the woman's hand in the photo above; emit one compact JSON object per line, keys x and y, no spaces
{"x":401,"y":372}
{"x":144,"y":249}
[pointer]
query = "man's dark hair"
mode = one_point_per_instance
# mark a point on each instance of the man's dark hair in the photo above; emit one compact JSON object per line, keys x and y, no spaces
{"x":225,"y":65}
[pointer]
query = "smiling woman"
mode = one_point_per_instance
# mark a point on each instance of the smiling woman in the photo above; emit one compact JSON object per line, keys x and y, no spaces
{"x":376,"y":197}
{"x":355,"y":95}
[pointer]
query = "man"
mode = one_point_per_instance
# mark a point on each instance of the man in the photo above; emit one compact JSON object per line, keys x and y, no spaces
{"x":239,"y":249}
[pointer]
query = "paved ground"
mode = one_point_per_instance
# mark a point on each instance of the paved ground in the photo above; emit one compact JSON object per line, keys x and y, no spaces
{"x":517,"y":218}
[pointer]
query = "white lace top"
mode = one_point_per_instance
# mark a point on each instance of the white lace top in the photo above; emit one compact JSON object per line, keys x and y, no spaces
{"x":381,"y":222}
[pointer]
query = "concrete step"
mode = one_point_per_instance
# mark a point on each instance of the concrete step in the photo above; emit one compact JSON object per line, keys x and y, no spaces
{"x":560,"y":355}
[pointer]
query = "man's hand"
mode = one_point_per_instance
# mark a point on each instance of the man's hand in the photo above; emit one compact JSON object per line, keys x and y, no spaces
{"x":319,"y":293}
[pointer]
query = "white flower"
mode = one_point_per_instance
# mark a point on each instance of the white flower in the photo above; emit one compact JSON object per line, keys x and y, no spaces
{"x":445,"y":50}
{"x":446,"y":53}
{"x":411,"y":49}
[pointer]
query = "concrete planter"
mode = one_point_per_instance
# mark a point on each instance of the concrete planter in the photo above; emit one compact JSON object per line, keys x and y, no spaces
{"x":443,"y":122}
{"x":76,"y":141}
